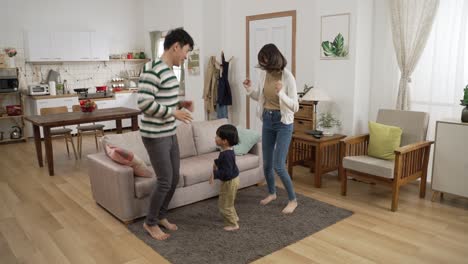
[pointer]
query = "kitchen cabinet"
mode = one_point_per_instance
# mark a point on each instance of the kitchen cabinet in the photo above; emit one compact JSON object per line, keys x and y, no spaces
{"x":66,"y":46}
{"x":127,"y":100}
{"x":35,"y":106}
{"x":15,"y":120}
{"x":99,"y":46}
{"x":103,"y":104}
{"x":38,"y":46}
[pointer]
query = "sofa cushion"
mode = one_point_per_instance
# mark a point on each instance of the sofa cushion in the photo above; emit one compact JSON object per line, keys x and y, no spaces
{"x":185,"y":139}
{"x":128,"y":158}
{"x":198,"y":169}
{"x":131,"y":141}
{"x":370,"y":165}
{"x":247,"y":139}
{"x":204,"y":133}
{"x":144,"y":186}
{"x":383,"y":140}
{"x":247,"y":162}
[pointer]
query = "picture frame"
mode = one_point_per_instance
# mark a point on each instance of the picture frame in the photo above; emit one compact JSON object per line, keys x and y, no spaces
{"x":335,"y":36}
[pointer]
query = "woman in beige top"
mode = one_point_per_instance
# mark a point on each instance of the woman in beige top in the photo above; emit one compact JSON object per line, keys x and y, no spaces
{"x":276,"y":94}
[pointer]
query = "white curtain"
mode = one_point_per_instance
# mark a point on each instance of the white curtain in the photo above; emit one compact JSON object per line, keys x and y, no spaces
{"x":442,"y":72}
{"x":411,"y":22}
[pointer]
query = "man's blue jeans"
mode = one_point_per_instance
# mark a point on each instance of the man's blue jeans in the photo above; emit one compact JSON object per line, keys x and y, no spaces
{"x":276,"y":138}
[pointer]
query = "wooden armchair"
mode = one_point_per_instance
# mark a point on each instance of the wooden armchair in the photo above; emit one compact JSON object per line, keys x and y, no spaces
{"x":411,"y":159}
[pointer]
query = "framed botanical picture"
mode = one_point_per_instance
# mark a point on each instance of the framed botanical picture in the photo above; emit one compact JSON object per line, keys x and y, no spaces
{"x":334,"y":37}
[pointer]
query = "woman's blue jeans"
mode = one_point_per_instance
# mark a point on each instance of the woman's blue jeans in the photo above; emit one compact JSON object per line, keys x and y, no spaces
{"x":276,"y":138}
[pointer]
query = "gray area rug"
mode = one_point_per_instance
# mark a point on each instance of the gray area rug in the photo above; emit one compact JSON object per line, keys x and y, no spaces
{"x":263,"y":229}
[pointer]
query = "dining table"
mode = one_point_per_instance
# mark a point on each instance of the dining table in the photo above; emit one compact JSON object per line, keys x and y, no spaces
{"x":47,"y":122}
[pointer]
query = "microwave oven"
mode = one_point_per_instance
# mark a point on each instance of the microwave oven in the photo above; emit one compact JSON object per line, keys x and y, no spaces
{"x":38,"y":89}
{"x":8,"y":80}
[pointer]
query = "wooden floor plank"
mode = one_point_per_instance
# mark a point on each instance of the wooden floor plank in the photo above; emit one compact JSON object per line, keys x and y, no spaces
{"x":47,"y":219}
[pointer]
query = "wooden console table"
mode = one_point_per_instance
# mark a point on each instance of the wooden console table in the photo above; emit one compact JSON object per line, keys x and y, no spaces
{"x":324,"y":153}
{"x":75,"y":118}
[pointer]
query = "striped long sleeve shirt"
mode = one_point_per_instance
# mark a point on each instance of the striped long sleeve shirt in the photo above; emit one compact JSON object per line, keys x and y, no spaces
{"x":158,"y":99}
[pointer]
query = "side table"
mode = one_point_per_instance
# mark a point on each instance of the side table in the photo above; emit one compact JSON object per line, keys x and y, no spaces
{"x":324,"y":153}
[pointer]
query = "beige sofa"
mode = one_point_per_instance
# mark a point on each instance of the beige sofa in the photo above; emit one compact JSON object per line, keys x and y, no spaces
{"x":115,"y":188}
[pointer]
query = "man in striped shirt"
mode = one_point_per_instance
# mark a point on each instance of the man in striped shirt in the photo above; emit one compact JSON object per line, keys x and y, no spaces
{"x":159,"y":102}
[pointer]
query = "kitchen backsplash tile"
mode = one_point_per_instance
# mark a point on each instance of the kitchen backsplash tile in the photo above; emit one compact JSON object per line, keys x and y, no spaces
{"x":77,"y":74}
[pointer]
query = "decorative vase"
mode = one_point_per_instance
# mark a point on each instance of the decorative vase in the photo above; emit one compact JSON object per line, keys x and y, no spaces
{"x":328,"y":131}
{"x":11,"y":62}
{"x":464,"y":116}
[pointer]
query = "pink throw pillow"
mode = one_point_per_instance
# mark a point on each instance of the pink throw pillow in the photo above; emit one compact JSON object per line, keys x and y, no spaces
{"x":126,"y":157}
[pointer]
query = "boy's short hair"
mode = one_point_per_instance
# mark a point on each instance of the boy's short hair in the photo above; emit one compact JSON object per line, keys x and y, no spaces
{"x":229,"y":133}
{"x":177,"y":35}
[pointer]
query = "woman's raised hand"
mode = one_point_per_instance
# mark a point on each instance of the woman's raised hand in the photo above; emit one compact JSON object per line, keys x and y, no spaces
{"x":247,"y":83}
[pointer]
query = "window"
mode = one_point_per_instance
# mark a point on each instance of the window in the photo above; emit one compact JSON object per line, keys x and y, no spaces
{"x":442,"y":71}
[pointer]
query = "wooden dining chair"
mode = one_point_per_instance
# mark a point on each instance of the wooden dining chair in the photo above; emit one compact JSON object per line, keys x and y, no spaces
{"x":60,"y":132}
{"x":96,"y":129}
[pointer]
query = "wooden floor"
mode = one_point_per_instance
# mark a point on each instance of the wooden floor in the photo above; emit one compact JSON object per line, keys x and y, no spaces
{"x":55,"y":220}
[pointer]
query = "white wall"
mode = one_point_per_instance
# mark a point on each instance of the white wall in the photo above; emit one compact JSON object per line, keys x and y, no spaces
{"x":234,"y":39}
{"x":121,"y":19}
{"x":385,"y":72}
{"x":363,"y":66}
{"x":202,"y":20}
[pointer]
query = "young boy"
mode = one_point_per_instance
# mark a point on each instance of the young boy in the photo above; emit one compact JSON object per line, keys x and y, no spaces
{"x":225,"y":169}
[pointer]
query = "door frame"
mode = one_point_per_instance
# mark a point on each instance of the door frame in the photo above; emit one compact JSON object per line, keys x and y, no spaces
{"x":248,"y":19}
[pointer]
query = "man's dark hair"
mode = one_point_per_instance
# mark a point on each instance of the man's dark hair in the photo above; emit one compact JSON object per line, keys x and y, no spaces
{"x":229,"y":133}
{"x":178,"y":35}
{"x":270,"y":59}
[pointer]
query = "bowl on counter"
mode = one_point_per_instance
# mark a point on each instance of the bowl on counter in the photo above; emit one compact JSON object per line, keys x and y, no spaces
{"x":102,"y":88}
{"x":81,"y":90}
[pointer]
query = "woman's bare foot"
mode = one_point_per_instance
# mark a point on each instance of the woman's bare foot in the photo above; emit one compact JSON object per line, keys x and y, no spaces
{"x":268,"y":199}
{"x":231,"y":228}
{"x":168,"y":225}
{"x":290,"y":207}
{"x":155,"y":232}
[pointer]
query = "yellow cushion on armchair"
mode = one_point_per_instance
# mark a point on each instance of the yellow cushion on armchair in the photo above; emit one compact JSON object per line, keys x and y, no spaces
{"x":383,"y":140}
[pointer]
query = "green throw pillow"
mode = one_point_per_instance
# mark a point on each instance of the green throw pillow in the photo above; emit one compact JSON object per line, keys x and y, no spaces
{"x":383,"y":140}
{"x":247,"y":139}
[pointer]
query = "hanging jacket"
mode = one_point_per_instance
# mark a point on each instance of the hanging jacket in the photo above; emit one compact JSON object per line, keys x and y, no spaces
{"x":210,"y":90}
{"x":224,"y":89}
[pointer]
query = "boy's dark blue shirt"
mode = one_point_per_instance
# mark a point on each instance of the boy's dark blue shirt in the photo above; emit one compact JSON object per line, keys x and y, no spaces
{"x":226,"y":164}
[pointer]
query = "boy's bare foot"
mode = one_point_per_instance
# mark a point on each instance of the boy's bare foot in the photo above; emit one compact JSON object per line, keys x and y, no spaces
{"x":268,"y":199}
{"x":168,"y":225}
{"x":231,"y":228}
{"x":155,"y":232}
{"x":290,"y":207}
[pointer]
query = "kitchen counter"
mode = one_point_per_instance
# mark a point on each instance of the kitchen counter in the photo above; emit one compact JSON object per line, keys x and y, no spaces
{"x":42,"y":97}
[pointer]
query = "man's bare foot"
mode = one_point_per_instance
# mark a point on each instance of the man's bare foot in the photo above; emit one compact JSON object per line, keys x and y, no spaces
{"x":231,"y":228}
{"x":168,"y":225}
{"x":155,"y":232}
{"x":268,"y":199}
{"x":290,"y":207}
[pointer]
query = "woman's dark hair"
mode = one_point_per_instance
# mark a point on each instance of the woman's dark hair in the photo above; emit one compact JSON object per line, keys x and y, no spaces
{"x":270,"y":58}
{"x":229,"y":133}
{"x":178,"y":35}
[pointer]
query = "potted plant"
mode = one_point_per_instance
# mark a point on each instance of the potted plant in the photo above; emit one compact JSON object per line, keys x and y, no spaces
{"x":11,"y":52}
{"x":327,"y":122}
{"x":464,"y":102}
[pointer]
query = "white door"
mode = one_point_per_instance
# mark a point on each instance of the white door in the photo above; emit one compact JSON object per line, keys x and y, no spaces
{"x":273,"y":30}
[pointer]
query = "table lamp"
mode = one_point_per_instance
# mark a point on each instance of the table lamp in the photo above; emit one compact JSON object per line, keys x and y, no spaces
{"x":315,"y":95}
